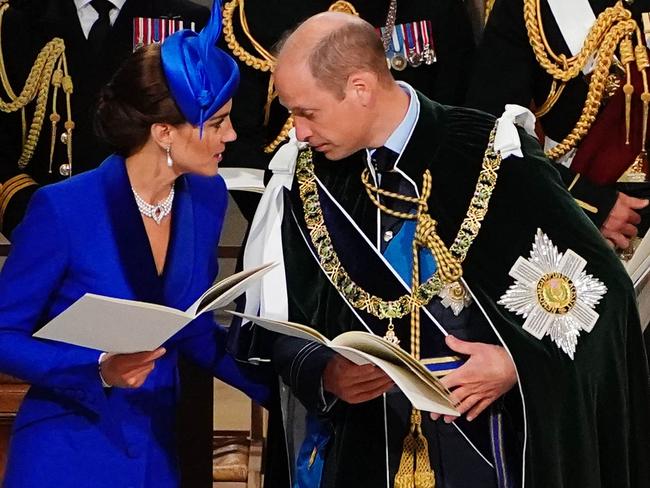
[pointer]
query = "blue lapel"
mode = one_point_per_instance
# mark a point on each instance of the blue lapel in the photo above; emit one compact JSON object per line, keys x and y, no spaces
{"x":134,"y":250}
{"x":179,"y":266}
{"x":133,"y":245}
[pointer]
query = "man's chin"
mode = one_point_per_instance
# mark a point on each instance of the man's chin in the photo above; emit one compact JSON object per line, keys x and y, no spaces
{"x":334,"y":155}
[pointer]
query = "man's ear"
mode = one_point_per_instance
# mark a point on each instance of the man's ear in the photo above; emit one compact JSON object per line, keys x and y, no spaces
{"x":362,"y":85}
{"x":161,"y":134}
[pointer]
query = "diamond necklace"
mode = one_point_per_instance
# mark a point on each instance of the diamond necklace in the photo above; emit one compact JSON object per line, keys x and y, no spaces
{"x":158,"y":211}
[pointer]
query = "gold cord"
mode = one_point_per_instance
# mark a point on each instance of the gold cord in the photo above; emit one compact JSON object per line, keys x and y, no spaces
{"x":612,"y":26}
{"x":425,"y":230}
{"x":489,"y":4}
{"x":627,"y":58}
{"x":343,"y":7}
{"x":37,"y":87}
{"x":415,"y":467}
{"x":264,"y":60}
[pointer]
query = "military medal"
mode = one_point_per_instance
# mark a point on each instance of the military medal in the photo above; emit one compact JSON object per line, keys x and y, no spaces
{"x":428,"y":51}
{"x":156,"y":34}
{"x":138,"y":33}
{"x":554,"y":294}
{"x":398,"y":60}
{"x":394,"y":50}
{"x":414,"y":56}
{"x":154,"y":31}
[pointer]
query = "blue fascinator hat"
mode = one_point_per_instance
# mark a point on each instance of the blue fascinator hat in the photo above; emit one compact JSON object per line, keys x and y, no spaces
{"x":201,"y":77}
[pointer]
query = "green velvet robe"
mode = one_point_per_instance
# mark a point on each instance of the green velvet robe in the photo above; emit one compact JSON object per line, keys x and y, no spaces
{"x":585,"y":422}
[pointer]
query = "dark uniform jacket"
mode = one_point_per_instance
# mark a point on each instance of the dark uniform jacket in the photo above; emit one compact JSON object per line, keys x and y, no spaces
{"x":28,"y":26}
{"x":444,"y":81}
{"x":584,"y":421}
{"x":506,"y":71}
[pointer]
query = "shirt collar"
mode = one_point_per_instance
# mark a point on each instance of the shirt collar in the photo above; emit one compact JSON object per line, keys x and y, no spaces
{"x":79,"y":4}
{"x":400,"y":136}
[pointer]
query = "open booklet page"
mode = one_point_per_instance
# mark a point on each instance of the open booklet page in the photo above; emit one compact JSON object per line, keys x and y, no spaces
{"x":417,"y":383}
{"x":225,"y":291}
{"x":126,"y":326}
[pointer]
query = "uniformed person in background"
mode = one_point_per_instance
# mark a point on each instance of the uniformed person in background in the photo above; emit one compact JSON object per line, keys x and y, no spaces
{"x":582,"y":65}
{"x":98,"y":35}
{"x":428,"y":44}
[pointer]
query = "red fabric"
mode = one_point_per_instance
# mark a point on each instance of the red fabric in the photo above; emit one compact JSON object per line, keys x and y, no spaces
{"x":603,"y":156}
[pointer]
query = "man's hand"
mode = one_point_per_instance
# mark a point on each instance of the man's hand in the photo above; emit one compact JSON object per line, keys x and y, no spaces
{"x":129,"y":370}
{"x":488,"y":373}
{"x":353,"y":383}
{"x":620,"y":225}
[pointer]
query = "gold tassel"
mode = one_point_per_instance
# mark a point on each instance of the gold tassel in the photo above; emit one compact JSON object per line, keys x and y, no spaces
{"x":405,"y":477}
{"x":414,"y":468}
{"x":636,"y":171}
{"x":627,"y":58}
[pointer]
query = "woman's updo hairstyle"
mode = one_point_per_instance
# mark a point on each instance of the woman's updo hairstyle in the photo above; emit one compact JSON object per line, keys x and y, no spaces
{"x":136,"y":98}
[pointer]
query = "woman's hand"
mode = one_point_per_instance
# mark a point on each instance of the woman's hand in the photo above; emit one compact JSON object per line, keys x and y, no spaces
{"x":129,"y":370}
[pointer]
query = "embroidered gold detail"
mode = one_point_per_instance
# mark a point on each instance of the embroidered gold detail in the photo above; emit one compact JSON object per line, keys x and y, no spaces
{"x":556,"y":293}
{"x":9,"y":189}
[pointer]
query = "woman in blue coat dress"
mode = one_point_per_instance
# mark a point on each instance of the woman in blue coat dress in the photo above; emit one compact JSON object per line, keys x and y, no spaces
{"x":145,"y":226}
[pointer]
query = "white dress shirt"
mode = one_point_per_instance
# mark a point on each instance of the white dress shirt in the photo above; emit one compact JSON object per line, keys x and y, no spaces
{"x":88,"y":15}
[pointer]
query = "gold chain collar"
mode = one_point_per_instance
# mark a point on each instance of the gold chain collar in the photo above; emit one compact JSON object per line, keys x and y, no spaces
{"x":422,"y":294}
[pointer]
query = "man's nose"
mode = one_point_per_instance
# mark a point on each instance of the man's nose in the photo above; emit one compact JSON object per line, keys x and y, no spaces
{"x":303,"y":132}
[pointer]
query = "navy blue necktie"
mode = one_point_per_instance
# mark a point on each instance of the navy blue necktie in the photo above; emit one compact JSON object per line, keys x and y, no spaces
{"x":383,"y":159}
{"x":102,"y":26}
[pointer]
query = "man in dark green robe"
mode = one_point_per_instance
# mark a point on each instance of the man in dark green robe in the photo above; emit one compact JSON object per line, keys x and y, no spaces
{"x":565,"y":404}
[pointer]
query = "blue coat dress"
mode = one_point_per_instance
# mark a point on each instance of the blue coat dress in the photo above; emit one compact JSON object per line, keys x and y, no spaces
{"x":86,"y":235}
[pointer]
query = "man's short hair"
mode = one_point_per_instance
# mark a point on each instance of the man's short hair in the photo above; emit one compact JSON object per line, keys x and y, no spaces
{"x":350,"y":48}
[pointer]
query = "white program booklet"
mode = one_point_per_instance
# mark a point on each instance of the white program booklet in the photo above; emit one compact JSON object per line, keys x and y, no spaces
{"x":419,"y":385}
{"x":127,"y":326}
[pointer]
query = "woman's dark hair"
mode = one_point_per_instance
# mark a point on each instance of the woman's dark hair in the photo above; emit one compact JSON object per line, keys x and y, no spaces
{"x":136,"y":98}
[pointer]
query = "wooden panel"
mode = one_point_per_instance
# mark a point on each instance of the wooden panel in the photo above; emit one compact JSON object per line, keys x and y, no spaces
{"x":5,"y":433}
{"x":12,"y":392}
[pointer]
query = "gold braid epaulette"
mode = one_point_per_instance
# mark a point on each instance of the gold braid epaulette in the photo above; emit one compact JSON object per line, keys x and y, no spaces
{"x":50,"y":68}
{"x":422,"y":295}
{"x":612,"y":26}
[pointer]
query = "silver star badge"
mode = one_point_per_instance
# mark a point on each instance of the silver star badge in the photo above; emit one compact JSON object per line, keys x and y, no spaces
{"x":554,"y":294}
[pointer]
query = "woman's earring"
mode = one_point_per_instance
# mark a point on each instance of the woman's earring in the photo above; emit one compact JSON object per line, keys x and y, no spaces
{"x":170,"y":161}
